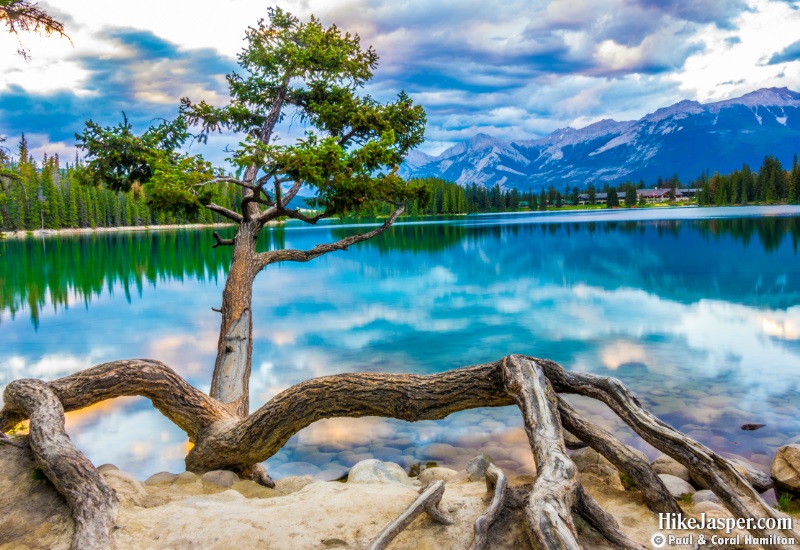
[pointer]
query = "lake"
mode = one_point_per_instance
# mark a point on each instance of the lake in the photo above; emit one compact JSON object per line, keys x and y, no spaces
{"x":696,"y":310}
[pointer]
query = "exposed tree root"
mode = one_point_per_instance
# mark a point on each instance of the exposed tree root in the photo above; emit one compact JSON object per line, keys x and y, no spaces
{"x":226,"y":441}
{"x":722,"y":478}
{"x":655,"y":494}
{"x":428,"y":502}
{"x":93,"y":505}
{"x":496,"y":482}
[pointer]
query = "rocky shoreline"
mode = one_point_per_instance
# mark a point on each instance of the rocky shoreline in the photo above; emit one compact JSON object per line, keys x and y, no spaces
{"x":218,"y":510}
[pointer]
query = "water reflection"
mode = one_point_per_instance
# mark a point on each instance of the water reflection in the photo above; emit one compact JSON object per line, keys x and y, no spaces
{"x":701,"y":317}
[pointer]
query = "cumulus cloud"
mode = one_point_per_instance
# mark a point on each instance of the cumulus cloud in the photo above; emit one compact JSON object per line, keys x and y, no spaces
{"x":517,"y":70}
{"x":141,"y":74}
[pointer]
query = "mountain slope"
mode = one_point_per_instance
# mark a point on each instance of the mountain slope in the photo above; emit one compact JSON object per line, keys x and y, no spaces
{"x":686,"y":138}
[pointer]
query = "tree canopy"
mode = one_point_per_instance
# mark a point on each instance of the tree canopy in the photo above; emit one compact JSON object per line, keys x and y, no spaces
{"x":348,"y":154}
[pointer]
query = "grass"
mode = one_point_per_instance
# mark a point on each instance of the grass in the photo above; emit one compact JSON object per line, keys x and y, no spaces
{"x":787,"y":504}
{"x":627,"y":483}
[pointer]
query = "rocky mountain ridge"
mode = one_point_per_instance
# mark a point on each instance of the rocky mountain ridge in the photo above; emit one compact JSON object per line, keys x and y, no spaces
{"x":686,"y":138}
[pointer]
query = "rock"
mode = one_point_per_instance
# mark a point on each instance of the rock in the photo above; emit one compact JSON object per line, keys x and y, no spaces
{"x":752,"y":427}
{"x":476,"y":467}
{"x":583,"y":458}
{"x":603,"y":474}
{"x":251,"y":489}
{"x":185,"y":478}
{"x":436,"y":474}
{"x":222,"y":478}
{"x":292,"y":484}
{"x":676,"y":486}
{"x":667,"y":465}
{"x":33,"y":514}
{"x":103,"y":468}
{"x":705,"y":495}
{"x":572,"y":442}
{"x":126,"y":486}
{"x":375,"y":471}
{"x":708,"y":506}
{"x":161,"y":478}
{"x":786,"y":469}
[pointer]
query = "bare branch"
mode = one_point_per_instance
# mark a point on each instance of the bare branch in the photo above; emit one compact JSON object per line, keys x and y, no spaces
{"x":289,"y":255}
{"x":290,"y":194}
{"x":219,"y":241}
{"x":426,"y":502}
{"x":656,"y":495}
{"x":495,"y":481}
{"x":221,"y":210}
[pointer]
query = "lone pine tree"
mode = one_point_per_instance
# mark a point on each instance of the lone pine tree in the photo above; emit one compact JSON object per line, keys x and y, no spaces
{"x":349,"y":156}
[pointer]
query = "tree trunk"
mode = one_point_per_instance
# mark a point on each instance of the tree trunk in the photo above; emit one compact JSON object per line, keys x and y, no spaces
{"x":227,"y":442}
{"x":230,"y":382}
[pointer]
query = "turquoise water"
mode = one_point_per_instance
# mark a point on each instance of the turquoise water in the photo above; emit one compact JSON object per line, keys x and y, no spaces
{"x":697,"y":310}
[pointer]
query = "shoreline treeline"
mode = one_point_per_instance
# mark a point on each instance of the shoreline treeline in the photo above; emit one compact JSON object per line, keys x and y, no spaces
{"x":47,"y":195}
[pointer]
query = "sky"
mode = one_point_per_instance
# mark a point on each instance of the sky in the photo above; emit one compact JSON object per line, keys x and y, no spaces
{"x":516,"y":70}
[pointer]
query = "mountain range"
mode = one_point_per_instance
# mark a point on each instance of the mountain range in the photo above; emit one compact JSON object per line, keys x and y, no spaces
{"x":687,"y":139}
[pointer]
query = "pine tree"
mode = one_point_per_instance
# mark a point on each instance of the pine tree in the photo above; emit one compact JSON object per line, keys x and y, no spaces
{"x":794,"y":183}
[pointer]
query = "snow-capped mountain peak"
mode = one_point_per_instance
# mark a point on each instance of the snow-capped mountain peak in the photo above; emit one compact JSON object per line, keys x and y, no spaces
{"x":686,"y":138}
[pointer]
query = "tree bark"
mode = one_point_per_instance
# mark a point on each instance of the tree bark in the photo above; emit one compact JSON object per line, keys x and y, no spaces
{"x":93,"y":505}
{"x":656,"y":495}
{"x":496,"y":482}
{"x":428,"y":501}
{"x":230,"y":383}
{"x":225,"y":441}
{"x":725,"y":481}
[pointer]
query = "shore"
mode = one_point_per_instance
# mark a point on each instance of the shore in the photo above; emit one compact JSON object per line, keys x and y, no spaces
{"x":23,"y":234}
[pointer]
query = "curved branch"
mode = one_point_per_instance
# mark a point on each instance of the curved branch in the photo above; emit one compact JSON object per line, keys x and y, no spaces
{"x":222,"y":211}
{"x":189,"y":408}
{"x":656,"y":495}
{"x":291,"y":193}
{"x":495,"y":481}
{"x":408,"y":397}
{"x":219,"y":241}
{"x":289,"y":255}
{"x":93,"y":505}
{"x":427,"y":501}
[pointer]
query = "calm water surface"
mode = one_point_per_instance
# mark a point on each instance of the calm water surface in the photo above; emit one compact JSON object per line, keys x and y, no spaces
{"x":697,"y":310}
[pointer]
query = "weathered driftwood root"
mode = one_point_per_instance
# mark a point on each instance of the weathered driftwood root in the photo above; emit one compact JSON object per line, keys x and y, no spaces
{"x":225,"y":441}
{"x":187,"y":407}
{"x":496,"y":482}
{"x":428,"y":502}
{"x":93,"y":505}
{"x":722,"y":478}
{"x":557,"y":488}
{"x":655,"y":494}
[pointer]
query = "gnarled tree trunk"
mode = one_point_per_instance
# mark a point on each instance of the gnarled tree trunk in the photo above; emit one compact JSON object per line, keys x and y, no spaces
{"x":225,"y":440}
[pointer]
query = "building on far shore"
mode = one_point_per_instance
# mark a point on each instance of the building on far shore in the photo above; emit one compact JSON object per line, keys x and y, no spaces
{"x":649,"y":195}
